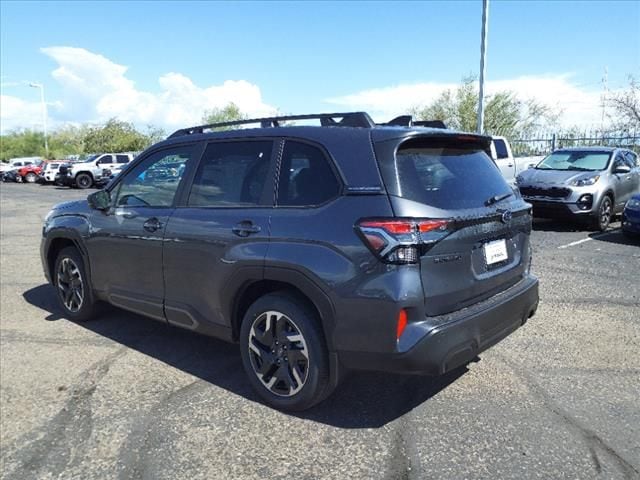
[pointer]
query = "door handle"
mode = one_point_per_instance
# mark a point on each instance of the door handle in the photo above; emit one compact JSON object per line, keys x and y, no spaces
{"x":245,"y":228}
{"x":152,"y":225}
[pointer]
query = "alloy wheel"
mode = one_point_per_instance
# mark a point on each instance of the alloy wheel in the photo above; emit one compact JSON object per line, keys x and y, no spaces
{"x":605,"y":212}
{"x":278,"y":353}
{"x":70,"y":285}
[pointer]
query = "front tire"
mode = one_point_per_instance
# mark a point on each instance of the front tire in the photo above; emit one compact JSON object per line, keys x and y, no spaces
{"x":84,"y":180}
{"x":73,"y":287}
{"x":604,"y":215}
{"x":284,"y":353}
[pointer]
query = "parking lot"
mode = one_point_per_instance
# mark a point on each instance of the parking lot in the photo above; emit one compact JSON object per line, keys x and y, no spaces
{"x":126,"y":397}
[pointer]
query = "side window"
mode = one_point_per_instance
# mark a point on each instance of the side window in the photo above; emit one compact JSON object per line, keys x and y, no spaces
{"x":122,"y":159}
{"x":306,"y":178}
{"x":231,"y":174}
{"x":154,"y":181}
{"x":632,"y":159}
{"x":501,"y":149}
{"x":619,"y":160}
{"x":104,"y":159}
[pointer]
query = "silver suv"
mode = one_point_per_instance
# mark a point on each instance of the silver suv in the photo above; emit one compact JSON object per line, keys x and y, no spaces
{"x":589,"y":183}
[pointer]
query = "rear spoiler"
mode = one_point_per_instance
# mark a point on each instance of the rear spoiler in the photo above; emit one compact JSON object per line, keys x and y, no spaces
{"x":408,"y":121}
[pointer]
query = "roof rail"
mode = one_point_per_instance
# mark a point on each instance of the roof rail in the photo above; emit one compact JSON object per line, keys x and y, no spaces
{"x":348,"y":119}
{"x":407,"y":121}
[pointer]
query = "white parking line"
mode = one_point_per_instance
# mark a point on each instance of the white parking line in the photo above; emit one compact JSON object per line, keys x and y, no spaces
{"x":576,"y":243}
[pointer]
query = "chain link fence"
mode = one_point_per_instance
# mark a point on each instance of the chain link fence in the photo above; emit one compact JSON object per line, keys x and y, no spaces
{"x":546,"y":142}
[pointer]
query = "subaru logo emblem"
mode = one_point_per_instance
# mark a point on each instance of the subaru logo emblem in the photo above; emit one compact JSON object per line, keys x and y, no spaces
{"x":506,"y":216}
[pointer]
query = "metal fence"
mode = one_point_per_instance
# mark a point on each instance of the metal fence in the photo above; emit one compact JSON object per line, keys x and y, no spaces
{"x":546,"y":142}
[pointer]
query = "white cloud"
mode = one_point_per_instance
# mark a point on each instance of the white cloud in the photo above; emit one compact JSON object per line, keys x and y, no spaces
{"x":15,"y":112}
{"x":579,"y":106}
{"x":95,"y":89}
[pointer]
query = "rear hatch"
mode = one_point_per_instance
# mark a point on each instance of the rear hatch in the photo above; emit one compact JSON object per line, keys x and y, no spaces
{"x":484,"y":248}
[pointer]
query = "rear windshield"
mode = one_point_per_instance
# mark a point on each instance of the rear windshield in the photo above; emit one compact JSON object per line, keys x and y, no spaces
{"x":443,"y":175}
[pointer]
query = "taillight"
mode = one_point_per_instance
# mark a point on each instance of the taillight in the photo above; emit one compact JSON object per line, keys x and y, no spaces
{"x":396,"y":240}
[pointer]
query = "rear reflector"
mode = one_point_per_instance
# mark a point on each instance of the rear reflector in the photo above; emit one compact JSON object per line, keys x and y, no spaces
{"x":402,"y":323}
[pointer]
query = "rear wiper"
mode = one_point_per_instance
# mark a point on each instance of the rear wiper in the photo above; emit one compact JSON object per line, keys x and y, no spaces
{"x":497,"y":198}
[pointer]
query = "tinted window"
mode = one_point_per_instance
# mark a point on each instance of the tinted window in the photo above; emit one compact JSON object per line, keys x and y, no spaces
{"x":154,"y":181}
{"x":443,"y":174}
{"x":122,"y":159}
{"x":104,"y":159}
{"x":619,"y":160}
{"x":501,"y":149}
{"x":632,"y":159}
{"x":231,"y":174}
{"x":306,"y":177}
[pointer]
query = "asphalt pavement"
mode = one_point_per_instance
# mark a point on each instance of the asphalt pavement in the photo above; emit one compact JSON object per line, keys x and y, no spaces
{"x":125,"y":397}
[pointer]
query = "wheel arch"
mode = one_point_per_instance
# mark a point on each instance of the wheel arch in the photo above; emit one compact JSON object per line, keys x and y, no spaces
{"x":282,"y":279}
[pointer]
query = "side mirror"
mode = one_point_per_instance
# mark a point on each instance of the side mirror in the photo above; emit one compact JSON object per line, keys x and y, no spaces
{"x":622,"y":169}
{"x":100,"y":200}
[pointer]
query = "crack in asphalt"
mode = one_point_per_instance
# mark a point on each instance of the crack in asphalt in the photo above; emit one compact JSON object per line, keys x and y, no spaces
{"x":58,"y":444}
{"x":146,"y":431}
{"x":591,"y":438}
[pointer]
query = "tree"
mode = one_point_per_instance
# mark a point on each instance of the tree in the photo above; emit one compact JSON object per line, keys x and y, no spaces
{"x":229,"y":113}
{"x":22,"y":143}
{"x":505,"y":114}
{"x":626,"y":106}
{"x":114,"y":136}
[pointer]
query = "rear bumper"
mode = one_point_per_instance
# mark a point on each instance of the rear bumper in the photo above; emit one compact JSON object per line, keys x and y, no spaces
{"x":441,"y":344}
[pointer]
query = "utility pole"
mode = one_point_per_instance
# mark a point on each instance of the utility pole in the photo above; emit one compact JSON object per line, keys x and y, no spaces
{"x":44,"y":115}
{"x":483,"y":56}
{"x":603,"y":97}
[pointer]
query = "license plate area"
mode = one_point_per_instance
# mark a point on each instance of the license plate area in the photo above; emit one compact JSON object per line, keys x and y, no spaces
{"x":495,"y":252}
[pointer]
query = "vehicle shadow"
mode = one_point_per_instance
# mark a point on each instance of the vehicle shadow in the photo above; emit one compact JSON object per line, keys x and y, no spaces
{"x":557,"y":225}
{"x":362,"y":400}
{"x":617,"y":237}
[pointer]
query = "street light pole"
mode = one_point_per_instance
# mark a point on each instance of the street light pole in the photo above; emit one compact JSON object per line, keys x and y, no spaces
{"x":44,"y":115}
{"x":483,"y":55}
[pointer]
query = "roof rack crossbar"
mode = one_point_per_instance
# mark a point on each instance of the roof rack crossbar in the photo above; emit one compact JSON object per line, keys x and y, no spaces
{"x":347,"y":119}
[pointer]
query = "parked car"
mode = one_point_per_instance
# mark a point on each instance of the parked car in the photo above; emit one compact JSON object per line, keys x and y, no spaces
{"x":17,"y":162}
{"x":29,"y":173}
{"x":342,"y":246}
{"x":90,"y":172}
{"x":587,"y":183}
{"x":631,"y":217}
{"x":503,"y":158}
{"x":49,"y":171}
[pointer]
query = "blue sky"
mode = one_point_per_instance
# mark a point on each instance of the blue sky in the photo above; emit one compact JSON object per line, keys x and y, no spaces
{"x":302,"y":56}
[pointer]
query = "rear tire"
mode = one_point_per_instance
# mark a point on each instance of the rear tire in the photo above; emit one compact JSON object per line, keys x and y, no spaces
{"x":30,"y":177}
{"x":84,"y":180}
{"x":604,"y":214}
{"x":284,"y":352}
{"x":73,"y":287}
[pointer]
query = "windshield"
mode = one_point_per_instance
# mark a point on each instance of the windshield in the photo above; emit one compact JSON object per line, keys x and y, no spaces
{"x":580,"y":161}
{"x":90,"y":158}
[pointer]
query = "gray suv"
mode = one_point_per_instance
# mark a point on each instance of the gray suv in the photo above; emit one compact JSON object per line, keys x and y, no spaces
{"x":318,"y":249}
{"x":588,"y":183}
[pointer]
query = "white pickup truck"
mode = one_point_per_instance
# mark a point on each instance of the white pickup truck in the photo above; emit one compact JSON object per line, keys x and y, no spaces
{"x":508,"y":165}
{"x":91,"y":172}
